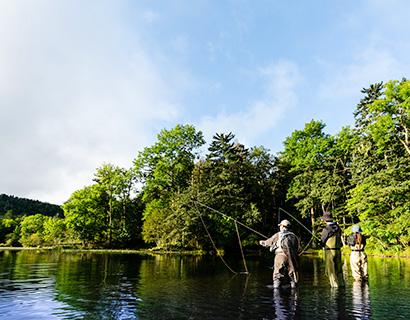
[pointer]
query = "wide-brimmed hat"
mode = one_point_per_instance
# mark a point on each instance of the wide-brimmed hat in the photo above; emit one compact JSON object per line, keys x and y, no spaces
{"x":285,"y":223}
{"x":356,"y":228}
{"x":327,"y":216}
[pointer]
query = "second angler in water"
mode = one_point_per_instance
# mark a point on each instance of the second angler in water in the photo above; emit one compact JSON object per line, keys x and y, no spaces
{"x":331,"y":241}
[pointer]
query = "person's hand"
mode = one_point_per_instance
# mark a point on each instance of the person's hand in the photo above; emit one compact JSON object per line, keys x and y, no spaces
{"x":262,"y":243}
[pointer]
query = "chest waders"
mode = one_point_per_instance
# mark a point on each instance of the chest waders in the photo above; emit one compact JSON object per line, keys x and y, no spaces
{"x":333,"y":260}
{"x":358,"y":262}
{"x":284,"y":261}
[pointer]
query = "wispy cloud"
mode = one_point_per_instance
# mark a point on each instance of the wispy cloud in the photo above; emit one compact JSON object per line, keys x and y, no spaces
{"x":72,"y":97}
{"x":255,"y":118}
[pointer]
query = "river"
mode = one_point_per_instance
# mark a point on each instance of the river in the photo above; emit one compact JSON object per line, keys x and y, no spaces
{"x":49,"y":285}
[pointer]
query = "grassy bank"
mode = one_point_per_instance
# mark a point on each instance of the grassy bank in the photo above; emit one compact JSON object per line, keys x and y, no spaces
{"x":370,"y":251}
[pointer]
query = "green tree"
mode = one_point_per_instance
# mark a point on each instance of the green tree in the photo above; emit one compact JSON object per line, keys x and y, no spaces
{"x":7,"y":227}
{"x":55,"y":230}
{"x":229,"y":181}
{"x":115,"y":186}
{"x":32,"y":230}
{"x":85,"y":215}
{"x":308,"y":153}
{"x":380,"y":170}
{"x":391,"y":116}
{"x":105,"y":213}
{"x":165,"y":170}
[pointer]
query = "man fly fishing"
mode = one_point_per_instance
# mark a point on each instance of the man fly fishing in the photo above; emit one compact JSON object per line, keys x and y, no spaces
{"x":285,"y":245}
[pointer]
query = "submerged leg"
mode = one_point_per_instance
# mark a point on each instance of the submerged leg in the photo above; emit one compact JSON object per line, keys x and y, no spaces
{"x":279,"y":271}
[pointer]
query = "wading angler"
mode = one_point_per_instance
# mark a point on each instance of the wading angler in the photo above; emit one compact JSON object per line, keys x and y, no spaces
{"x":285,"y":245}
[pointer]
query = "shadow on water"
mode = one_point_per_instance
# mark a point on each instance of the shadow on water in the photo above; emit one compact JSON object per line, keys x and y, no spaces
{"x":38,"y":285}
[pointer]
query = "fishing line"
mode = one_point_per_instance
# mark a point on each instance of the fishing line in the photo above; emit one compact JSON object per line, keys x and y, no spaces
{"x":240,"y":245}
{"x":213,"y":243}
{"x":231,"y":219}
{"x":300,"y":223}
{"x":238,"y":222}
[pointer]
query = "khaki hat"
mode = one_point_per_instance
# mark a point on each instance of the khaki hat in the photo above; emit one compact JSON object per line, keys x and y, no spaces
{"x":285,"y":223}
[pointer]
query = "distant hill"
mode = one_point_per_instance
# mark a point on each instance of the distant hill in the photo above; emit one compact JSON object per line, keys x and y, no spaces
{"x":20,"y":206}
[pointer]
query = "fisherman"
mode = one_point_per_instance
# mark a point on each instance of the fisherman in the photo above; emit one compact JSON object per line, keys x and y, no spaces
{"x":285,"y":244}
{"x":358,"y":258}
{"x":331,"y":241}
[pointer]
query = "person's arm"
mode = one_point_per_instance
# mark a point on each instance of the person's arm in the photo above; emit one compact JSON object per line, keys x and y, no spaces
{"x":270,"y":241}
{"x":324,"y":237}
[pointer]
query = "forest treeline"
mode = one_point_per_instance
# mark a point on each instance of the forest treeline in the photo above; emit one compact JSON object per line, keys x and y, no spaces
{"x":15,"y":206}
{"x":180,"y":192}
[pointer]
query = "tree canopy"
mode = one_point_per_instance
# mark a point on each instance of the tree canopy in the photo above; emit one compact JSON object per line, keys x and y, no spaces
{"x":178,"y":193}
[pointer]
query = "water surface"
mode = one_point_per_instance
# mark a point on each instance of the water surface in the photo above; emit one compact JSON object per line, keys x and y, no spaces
{"x":39,"y":285}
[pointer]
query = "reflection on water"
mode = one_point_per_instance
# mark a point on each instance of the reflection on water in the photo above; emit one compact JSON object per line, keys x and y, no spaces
{"x":38,"y":285}
{"x":286,"y":303}
{"x":361,"y":300}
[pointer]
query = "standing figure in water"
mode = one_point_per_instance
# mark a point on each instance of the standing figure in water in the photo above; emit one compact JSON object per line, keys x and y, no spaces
{"x":358,"y":258}
{"x":285,"y":245}
{"x":331,"y":241}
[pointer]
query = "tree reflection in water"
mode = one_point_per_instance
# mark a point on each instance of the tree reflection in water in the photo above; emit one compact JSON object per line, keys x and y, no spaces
{"x":56,"y":285}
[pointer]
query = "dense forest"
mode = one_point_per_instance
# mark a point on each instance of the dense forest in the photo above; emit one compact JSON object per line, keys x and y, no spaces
{"x":180,"y":194}
{"x":15,"y":206}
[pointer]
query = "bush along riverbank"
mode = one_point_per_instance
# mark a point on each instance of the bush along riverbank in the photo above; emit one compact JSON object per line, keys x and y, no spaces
{"x":370,"y":251}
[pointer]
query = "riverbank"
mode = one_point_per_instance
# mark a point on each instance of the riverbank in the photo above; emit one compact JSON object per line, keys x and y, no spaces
{"x":345,"y":251}
{"x":370,"y":253}
{"x":114,"y":251}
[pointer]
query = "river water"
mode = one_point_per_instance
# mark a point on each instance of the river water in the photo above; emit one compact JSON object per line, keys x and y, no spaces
{"x":45,"y":285}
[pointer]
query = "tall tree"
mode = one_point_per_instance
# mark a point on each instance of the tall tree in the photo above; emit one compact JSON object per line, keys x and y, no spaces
{"x":308,"y":152}
{"x":231,"y":178}
{"x":85,"y":216}
{"x":381,"y":166}
{"x":391,"y":115}
{"x":115,"y":186}
{"x":165,"y":171}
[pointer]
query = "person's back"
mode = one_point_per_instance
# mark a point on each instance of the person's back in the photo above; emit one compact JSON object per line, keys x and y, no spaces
{"x":358,"y":258}
{"x":331,"y":242}
{"x":285,"y":244}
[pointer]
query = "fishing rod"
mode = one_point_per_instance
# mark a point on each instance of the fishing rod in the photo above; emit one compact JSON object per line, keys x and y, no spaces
{"x":226,"y":216}
{"x":223,"y":214}
{"x":299,"y":223}
{"x":213,"y":243}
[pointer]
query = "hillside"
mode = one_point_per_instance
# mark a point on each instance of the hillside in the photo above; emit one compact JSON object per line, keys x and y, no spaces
{"x":21,"y":206}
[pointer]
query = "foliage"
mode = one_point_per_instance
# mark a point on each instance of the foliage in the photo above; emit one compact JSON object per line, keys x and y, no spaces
{"x":84,"y":214}
{"x":21,"y":206}
{"x":309,"y":153}
{"x":177,"y":195}
{"x":165,"y":169}
{"x":31,"y":230}
{"x":381,"y":168}
{"x":7,"y":227}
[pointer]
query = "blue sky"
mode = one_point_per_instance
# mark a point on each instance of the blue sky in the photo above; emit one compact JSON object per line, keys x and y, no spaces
{"x":93,"y":81}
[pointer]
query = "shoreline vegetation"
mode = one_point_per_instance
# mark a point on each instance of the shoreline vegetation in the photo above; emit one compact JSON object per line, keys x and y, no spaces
{"x":316,"y":252}
{"x":184,"y":193}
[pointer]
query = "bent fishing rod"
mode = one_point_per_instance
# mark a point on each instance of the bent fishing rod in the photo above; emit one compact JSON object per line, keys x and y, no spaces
{"x":242,"y":224}
{"x":226,"y":216}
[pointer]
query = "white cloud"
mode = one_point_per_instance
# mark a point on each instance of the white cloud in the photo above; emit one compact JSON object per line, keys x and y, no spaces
{"x":280,"y":81}
{"x":73,"y":95}
{"x":371,"y":63}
